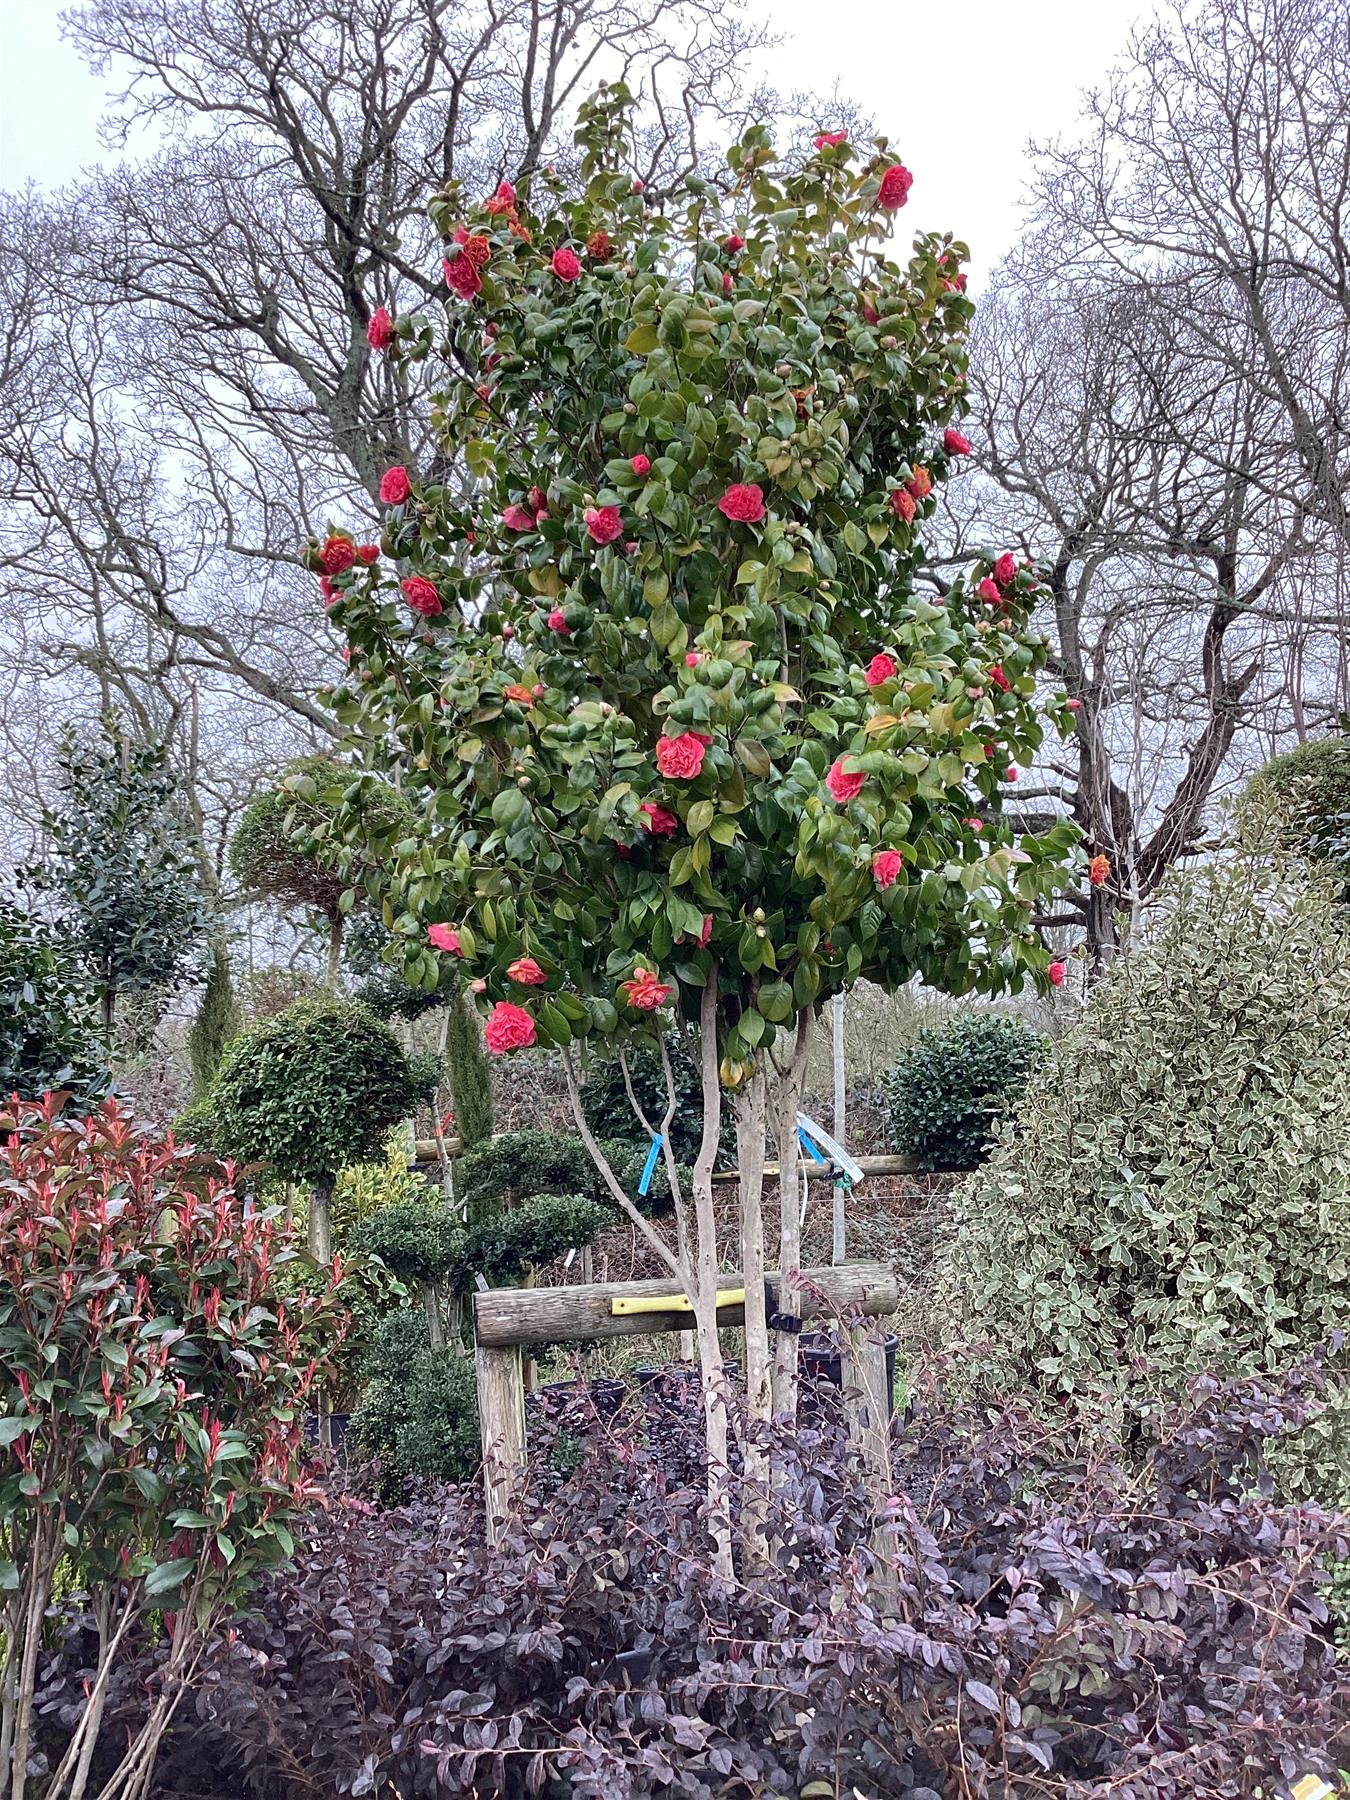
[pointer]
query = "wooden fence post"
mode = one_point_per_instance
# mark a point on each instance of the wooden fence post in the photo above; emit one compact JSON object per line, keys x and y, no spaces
{"x":868,"y":1414}
{"x":501,"y":1419}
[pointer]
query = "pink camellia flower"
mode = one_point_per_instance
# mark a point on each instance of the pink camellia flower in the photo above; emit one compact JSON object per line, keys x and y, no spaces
{"x":604,"y":523}
{"x":955,"y":443}
{"x":886,"y":866}
{"x":733,"y":243}
{"x":881,"y":668}
{"x":502,"y":201}
{"x":368,"y":553}
{"x":527,"y":972}
{"x":640,"y":465}
{"x":826,"y":140}
{"x":843,"y":783}
{"x":508,"y":1028}
{"x":705,"y":935}
{"x":692,"y":658}
{"x":421,"y":595}
{"x":999,"y":679}
{"x":646,"y":991}
{"x":461,"y":276}
{"x":337,"y":555}
{"x":537,"y":501}
{"x":895,"y":186}
{"x":639,"y":185}
{"x":1056,"y":973}
{"x":380,"y":331}
{"x":1005,"y":568}
{"x":445,"y":937}
{"x":988,"y":590}
{"x":599,"y":246}
{"x":904,"y":505}
{"x":395,"y":487}
{"x":330,"y":594}
{"x":1073,"y":705}
{"x":1012,"y":772}
{"x":680,"y":758}
{"x":556,"y":622}
{"x":869,"y":310}
{"x":517,"y":518}
{"x":728,"y":285}
{"x":975,"y":824}
{"x":920,"y":483}
{"x":659,"y":820}
{"x":565,"y":263}
{"x":478,"y":987}
{"x":743,"y":503}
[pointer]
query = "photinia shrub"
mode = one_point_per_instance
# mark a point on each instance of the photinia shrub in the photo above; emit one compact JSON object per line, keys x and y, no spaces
{"x":676,"y":720}
{"x":152,"y":1393}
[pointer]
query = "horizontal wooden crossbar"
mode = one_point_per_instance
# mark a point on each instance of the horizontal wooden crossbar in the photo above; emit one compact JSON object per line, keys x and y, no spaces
{"x":560,"y":1315}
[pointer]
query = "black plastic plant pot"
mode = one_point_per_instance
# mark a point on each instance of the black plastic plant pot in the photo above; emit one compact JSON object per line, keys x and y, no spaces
{"x":338,"y":1423}
{"x":821,"y":1361}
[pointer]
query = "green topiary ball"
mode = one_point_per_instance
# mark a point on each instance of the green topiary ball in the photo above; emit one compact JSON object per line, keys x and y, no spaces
{"x":944,"y":1096}
{"x":520,"y":1164}
{"x":419,"y":1410}
{"x":312,"y":1090}
{"x":417,"y":1239}
{"x":1305,"y":796}
{"x":502,"y":1249}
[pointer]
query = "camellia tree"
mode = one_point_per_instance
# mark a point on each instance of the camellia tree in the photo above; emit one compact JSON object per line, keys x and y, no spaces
{"x":682,"y":733}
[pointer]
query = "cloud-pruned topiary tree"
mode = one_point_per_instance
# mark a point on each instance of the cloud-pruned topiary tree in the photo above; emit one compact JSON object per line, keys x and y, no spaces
{"x":680,"y":725}
{"x":1303,"y":798}
{"x":1175,"y":1187}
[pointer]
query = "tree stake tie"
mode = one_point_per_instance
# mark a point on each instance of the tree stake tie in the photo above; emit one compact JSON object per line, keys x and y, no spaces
{"x":649,"y":1168}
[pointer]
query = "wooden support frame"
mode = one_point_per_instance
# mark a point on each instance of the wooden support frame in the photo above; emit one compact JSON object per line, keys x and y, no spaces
{"x":507,"y":1318}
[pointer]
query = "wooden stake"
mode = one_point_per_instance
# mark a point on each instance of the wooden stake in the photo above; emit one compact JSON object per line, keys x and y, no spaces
{"x":501,"y":1419}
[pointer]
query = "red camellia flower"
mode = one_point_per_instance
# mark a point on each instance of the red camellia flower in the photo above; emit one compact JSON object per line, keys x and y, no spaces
{"x":999,"y":679}
{"x":955,"y":443}
{"x":895,"y":186}
{"x":1056,"y":973}
{"x":646,"y":991}
{"x":521,"y":695}
{"x":826,"y":140}
{"x":1074,"y":705}
{"x":843,"y":784}
{"x":445,"y":937}
{"x":988,"y":590}
{"x":881,"y":668}
{"x":743,"y":503}
{"x":920,"y":483}
{"x":368,"y":553}
{"x":461,"y":276}
{"x":1012,"y":772}
{"x":337,"y":556}
{"x":727,"y":283}
{"x":599,"y":246}
{"x":565,"y":264}
{"x":1005,"y":568}
{"x":641,"y":465}
{"x":680,"y":758}
{"x":692,"y":658}
{"x":659,"y":820}
{"x":517,"y":518}
{"x":903,"y":504}
{"x":886,"y":866}
{"x":421,"y":595}
{"x":502,"y":201}
{"x":395,"y":487}
{"x":733,"y":243}
{"x":604,"y":523}
{"x":380,"y":331}
{"x":474,"y":246}
{"x":705,"y":935}
{"x":537,"y":501}
{"x":329,"y":592}
{"x":556,"y":622}
{"x":869,"y":310}
{"x":1099,"y":869}
{"x":508,"y":1028}
{"x":527,"y":972}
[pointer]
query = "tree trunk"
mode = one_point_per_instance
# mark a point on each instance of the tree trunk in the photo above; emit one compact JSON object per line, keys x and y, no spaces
{"x":751,"y":1106}
{"x":839,"y":1189}
{"x":320,"y":1236}
{"x":704,"y":1298}
{"x":786,"y":1348}
{"x":334,"y":969}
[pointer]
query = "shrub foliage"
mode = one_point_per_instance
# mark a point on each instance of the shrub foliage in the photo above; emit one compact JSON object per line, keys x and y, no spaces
{"x":944,"y":1096}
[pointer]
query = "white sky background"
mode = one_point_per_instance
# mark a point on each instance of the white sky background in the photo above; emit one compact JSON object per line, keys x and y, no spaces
{"x":959,"y":89}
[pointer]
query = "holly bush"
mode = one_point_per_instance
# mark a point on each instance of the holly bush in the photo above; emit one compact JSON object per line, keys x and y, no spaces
{"x":314,"y":1089}
{"x":152,"y":1390}
{"x":48,"y":1037}
{"x":941,"y":1100}
{"x":1175,"y":1186}
{"x":660,"y":682}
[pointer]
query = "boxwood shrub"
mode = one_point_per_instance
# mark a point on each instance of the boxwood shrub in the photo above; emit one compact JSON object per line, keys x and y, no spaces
{"x":946,"y":1093}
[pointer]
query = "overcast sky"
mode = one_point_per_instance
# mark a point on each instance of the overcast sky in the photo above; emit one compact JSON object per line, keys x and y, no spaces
{"x":959,"y":88}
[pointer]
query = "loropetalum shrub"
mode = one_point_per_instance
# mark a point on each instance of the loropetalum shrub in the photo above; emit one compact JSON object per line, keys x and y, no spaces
{"x":1070,"y":1619}
{"x":677,"y":723}
{"x":946,"y":1092}
{"x":152,"y":1393}
{"x":1175,"y":1185}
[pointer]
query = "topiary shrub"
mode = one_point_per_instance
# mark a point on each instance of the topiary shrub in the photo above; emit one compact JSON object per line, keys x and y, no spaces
{"x":1305,"y":796}
{"x":1176,"y":1182}
{"x":416,"y":1238}
{"x":48,"y":1037}
{"x":466,"y":1068}
{"x":519,"y":1164}
{"x":418,"y":1412}
{"x":942,"y":1099}
{"x":531,"y":1234}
